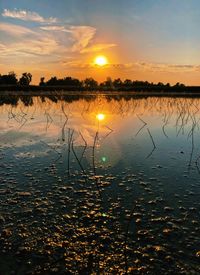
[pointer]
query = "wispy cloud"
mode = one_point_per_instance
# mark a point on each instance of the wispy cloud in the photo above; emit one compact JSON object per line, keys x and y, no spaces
{"x":155,"y":67}
{"x":41,"y":47}
{"x":81,"y":36}
{"x":27,"y":16}
{"x":56,"y":41}
{"x":76,"y":64}
{"x":163,"y":67}
{"x":53,"y":28}
{"x":26,"y":42}
{"x":15,"y":30}
{"x":3,"y":50}
{"x":98,"y":47}
{"x":138,"y":67}
{"x":44,"y":46}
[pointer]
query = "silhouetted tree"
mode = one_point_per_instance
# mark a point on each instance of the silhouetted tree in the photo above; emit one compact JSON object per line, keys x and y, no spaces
{"x":42,"y":83}
{"x":141,"y":84}
{"x":107,"y":85}
{"x":25,"y":80}
{"x":160,"y":84}
{"x":128,"y":84}
{"x":118,"y":84}
{"x":52,"y":81}
{"x":90,"y":84}
{"x":9,"y":79}
{"x":178,"y":84}
{"x":67,"y":82}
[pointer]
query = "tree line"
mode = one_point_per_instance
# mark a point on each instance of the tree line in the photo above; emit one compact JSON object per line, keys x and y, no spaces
{"x":88,"y":84}
{"x":11,"y":79}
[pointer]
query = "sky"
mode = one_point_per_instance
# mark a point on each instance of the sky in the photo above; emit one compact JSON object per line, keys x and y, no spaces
{"x":153,"y":40}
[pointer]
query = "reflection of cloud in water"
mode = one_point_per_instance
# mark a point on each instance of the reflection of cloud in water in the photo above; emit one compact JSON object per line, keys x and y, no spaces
{"x":46,"y":121}
{"x":16,"y":138}
{"x":33,"y":154}
{"x":106,"y":153}
{"x":109,"y":154}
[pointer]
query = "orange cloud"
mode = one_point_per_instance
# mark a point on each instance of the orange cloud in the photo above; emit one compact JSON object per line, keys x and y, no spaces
{"x":159,"y":67}
{"x":97,"y":47}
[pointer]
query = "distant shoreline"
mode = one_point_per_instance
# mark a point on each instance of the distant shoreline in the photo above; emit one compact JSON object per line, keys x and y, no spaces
{"x":186,"y":91}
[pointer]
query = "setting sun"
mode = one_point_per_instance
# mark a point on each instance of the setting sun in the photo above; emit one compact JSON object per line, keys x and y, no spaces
{"x":101,"y":60}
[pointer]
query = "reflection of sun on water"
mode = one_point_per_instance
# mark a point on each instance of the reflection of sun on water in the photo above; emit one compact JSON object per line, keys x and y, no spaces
{"x":100,"y":117}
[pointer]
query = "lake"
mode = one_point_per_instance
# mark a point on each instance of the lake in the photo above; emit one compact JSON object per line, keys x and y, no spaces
{"x":99,"y":185}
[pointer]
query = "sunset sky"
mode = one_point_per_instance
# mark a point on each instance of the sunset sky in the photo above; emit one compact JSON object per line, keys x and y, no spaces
{"x":154,"y":40}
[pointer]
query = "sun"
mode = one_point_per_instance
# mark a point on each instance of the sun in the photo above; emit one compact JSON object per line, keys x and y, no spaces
{"x":100,"y":60}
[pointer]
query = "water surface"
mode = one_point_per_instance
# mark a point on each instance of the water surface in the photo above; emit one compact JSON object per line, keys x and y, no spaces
{"x":112,"y":194}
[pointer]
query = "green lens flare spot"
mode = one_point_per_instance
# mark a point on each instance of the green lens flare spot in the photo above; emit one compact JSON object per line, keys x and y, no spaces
{"x":104,"y":159}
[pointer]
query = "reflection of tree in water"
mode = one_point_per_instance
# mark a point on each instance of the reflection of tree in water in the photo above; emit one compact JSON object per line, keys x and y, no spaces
{"x":9,"y":100}
{"x":185,"y":111}
{"x":27,"y":100}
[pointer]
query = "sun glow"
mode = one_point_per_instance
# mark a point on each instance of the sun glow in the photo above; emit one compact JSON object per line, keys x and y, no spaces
{"x":101,"y":60}
{"x":100,"y":116}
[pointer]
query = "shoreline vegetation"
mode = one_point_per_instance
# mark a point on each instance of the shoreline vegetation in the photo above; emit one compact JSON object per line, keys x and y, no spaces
{"x":10,"y":85}
{"x":27,"y":99}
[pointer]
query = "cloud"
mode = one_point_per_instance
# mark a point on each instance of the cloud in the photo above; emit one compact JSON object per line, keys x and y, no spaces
{"x":15,"y":30}
{"x":138,"y":67}
{"x":40,"y":47}
{"x":97,"y":47}
{"x":57,"y":41}
{"x":3,"y":50}
{"x":27,"y":16}
{"x":26,"y":42}
{"x":53,"y":28}
{"x":76,"y":64}
{"x":82,"y":35}
{"x":44,"y":46}
{"x":156,"y":67}
{"x":162,"y":67}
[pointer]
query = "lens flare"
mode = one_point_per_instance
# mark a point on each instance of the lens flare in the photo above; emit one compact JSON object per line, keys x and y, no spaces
{"x":104,"y":159}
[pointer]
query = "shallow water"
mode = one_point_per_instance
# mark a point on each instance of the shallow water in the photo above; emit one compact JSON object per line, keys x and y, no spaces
{"x":80,"y":195}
